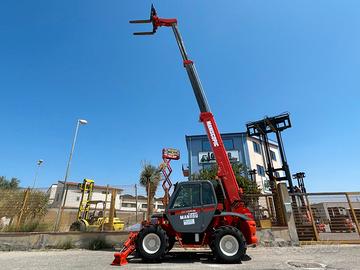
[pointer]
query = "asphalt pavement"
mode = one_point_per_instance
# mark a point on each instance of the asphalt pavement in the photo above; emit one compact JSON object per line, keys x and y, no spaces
{"x":331,"y":257}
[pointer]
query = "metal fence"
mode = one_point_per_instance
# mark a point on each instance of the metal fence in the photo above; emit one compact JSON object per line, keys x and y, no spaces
{"x":318,"y":216}
{"x":327,"y":216}
{"x":22,"y":210}
{"x":263,"y":208}
{"x":41,"y":210}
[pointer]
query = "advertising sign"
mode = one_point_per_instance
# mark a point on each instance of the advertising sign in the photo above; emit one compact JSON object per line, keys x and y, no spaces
{"x":209,"y":157}
{"x":171,"y":153}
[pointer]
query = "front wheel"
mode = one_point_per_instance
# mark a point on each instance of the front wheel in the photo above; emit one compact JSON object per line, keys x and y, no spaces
{"x":172,"y":241}
{"x":78,"y":226}
{"x":228,"y":245}
{"x":152,"y":243}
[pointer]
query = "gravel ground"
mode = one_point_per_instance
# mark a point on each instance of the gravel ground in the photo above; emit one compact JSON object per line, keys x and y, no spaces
{"x":318,"y":257}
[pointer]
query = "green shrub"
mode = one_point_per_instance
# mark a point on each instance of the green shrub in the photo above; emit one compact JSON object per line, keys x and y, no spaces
{"x":27,"y":227}
{"x":98,"y":244}
{"x":66,"y":244}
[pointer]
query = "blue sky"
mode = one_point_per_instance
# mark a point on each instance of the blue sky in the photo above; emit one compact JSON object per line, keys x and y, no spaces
{"x":64,"y":60}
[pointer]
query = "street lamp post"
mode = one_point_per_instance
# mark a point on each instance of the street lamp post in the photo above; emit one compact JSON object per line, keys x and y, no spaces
{"x":39,"y":162}
{"x":62,"y":201}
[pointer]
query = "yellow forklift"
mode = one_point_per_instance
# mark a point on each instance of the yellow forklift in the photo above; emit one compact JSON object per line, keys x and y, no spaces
{"x":91,"y":213}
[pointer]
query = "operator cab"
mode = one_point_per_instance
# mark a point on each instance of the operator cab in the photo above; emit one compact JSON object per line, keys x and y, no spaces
{"x":192,"y":206}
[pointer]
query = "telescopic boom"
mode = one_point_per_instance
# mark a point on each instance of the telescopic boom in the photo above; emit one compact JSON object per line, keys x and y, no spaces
{"x":225,"y":172}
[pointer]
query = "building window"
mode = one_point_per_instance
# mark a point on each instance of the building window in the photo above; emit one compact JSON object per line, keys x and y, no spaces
{"x":206,"y":146}
{"x":130,"y":205}
{"x":260,"y":170}
{"x":160,"y":206}
{"x":257,"y":148}
{"x":229,"y":144}
{"x":144,"y":205}
{"x":78,"y":198}
{"x":273,"y":155}
{"x":57,"y":197}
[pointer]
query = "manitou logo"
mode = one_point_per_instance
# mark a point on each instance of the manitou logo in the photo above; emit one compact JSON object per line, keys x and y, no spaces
{"x":212,"y":134}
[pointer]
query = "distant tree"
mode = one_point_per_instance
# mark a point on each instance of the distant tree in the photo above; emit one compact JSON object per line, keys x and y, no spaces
{"x":150,"y":175}
{"x":240,"y":171}
{"x":12,"y":183}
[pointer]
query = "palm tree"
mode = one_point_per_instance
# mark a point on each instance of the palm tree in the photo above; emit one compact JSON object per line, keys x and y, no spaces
{"x":150,"y":178}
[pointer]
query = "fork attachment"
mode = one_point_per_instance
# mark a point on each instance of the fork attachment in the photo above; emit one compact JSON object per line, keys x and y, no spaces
{"x":155,"y":21}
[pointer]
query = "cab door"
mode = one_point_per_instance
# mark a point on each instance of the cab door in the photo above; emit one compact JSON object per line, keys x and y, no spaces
{"x":188,"y":210}
{"x":208,"y":203}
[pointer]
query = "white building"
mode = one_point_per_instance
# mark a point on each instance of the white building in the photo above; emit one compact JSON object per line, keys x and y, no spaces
{"x":257,"y":161}
{"x":130,"y":203}
{"x":73,"y":195}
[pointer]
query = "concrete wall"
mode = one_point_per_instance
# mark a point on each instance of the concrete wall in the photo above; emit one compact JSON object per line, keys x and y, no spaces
{"x":274,"y":237}
{"x":27,"y":241}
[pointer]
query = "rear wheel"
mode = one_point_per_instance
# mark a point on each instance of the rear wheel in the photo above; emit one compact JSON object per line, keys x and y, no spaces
{"x":228,"y":245}
{"x":151,"y":243}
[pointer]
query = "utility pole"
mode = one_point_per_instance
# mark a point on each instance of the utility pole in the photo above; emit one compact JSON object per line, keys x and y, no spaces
{"x":39,"y":162}
{"x":62,"y":201}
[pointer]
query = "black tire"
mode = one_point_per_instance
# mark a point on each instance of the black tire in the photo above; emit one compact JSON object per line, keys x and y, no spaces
{"x":146,"y":251}
{"x":78,"y":226}
{"x":171,"y":244}
{"x":75,"y":226}
{"x":236,"y":241}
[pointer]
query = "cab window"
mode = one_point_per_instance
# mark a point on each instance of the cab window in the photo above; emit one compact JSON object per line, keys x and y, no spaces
{"x":188,"y":196}
{"x":207,"y":194}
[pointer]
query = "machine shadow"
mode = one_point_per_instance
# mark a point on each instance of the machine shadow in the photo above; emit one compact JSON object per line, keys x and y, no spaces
{"x":183,"y":257}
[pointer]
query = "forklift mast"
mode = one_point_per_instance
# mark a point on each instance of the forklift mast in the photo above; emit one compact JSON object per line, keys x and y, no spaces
{"x":225,"y":172}
{"x":86,"y":193}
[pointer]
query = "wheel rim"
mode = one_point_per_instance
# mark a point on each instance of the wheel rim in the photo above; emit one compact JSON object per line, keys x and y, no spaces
{"x":151,"y":243}
{"x":229,"y":245}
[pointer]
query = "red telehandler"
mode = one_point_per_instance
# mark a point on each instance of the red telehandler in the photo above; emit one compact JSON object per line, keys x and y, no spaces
{"x":199,"y":213}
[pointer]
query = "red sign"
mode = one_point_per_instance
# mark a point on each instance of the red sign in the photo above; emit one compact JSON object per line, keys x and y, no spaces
{"x":171,"y":153}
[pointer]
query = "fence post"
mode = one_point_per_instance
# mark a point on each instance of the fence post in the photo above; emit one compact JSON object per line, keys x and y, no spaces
{"x":110,"y":225}
{"x":58,"y":221}
{"x":106,"y":201}
{"x":21,"y":212}
{"x":353,"y":213}
{"x":288,"y":212}
{"x":317,"y":237}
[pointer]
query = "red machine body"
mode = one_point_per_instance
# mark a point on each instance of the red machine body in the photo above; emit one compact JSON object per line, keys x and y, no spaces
{"x":216,"y":215}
